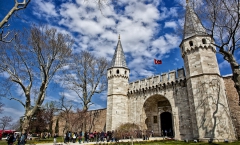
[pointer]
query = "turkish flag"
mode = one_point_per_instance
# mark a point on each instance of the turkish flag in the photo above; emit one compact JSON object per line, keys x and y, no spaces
{"x":157,"y":61}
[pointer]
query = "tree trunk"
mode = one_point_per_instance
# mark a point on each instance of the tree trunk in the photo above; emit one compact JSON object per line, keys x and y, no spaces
{"x":85,"y":122}
{"x":235,"y":69}
{"x":236,"y":78}
{"x":25,"y":124}
{"x":85,"y":108}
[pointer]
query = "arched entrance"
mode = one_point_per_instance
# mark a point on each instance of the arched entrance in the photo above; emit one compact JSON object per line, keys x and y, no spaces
{"x":157,"y":115}
{"x":166,"y":124}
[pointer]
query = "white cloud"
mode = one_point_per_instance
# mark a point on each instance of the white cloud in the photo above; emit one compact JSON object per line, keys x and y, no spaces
{"x":166,"y":13}
{"x":70,"y":95}
{"x":171,"y":24}
{"x":224,"y":64}
{"x":145,"y":13}
{"x":45,"y":9}
{"x":103,"y":96}
{"x":165,"y":43}
{"x":14,"y":113}
{"x":95,"y":107}
{"x":5,"y":75}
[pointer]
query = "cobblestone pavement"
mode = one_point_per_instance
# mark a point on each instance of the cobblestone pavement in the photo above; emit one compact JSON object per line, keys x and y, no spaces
{"x":92,"y":143}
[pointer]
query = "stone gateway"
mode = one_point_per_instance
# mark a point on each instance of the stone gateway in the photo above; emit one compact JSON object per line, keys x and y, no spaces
{"x":189,"y":103}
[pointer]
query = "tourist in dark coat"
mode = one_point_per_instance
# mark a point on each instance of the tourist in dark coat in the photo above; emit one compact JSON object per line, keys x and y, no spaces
{"x":10,"y":139}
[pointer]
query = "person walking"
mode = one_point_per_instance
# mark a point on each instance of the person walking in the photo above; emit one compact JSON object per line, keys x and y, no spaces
{"x":102,"y":136}
{"x":74,"y":137}
{"x":18,"y":139}
{"x":80,"y":137}
{"x":23,"y":139}
{"x":55,"y":139}
{"x":67,"y":138}
{"x":10,"y":139}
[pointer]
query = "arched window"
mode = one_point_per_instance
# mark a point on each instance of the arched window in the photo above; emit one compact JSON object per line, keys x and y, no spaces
{"x":204,"y":41}
{"x":190,"y":43}
{"x":125,"y":72}
{"x":117,"y":71}
{"x":110,"y":72}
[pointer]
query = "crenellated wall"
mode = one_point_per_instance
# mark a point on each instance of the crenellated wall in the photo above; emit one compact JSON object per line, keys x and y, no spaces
{"x":156,"y":81}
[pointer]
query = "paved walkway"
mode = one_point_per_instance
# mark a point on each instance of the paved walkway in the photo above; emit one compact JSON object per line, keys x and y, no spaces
{"x":92,"y":143}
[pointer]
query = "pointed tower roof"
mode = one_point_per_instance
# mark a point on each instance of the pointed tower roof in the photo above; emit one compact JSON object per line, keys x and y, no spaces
{"x":119,"y":57}
{"x":193,"y":25}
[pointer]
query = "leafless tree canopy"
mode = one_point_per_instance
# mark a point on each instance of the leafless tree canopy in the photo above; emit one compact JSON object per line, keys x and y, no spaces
{"x":4,"y":22}
{"x":5,"y":121}
{"x":50,"y":109}
{"x":65,"y":107}
{"x":29,"y":64}
{"x":222,"y":20}
{"x":86,"y":76}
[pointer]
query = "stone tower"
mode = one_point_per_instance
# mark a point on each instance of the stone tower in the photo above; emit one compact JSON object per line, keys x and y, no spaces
{"x":118,"y":76}
{"x":209,"y":108}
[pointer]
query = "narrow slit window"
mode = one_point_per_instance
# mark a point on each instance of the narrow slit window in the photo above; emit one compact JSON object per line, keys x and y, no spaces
{"x":204,"y":41}
{"x":190,"y":43}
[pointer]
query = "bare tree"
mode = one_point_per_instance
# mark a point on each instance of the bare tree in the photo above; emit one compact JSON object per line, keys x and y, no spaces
{"x":29,"y":64}
{"x":5,"y":121}
{"x":65,"y":107}
{"x":222,"y":20}
{"x":86,"y":76}
{"x":4,"y":22}
{"x":50,"y":109}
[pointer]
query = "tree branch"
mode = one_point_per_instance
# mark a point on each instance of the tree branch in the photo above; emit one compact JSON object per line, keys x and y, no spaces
{"x":18,"y":101}
{"x":18,"y":6}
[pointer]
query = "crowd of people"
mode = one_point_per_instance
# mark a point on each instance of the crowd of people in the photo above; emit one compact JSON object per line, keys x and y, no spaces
{"x":109,"y":136}
{"x":82,"y":137}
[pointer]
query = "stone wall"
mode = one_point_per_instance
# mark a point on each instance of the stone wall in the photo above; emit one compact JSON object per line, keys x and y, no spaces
{"x":212,"y":111}
{"x":232,"y":97}
{"x":96,"y":121}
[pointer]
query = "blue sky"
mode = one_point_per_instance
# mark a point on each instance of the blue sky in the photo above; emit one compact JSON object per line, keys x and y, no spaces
{"x":149,"y":29}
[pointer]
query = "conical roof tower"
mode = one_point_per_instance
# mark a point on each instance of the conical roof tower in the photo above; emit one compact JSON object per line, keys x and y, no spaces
{"x":117,"y":100}
{"x":193,"y":25}
{"x":119,"y":57}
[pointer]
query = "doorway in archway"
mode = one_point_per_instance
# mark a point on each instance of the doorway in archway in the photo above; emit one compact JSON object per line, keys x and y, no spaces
{"x":166,"y":124}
